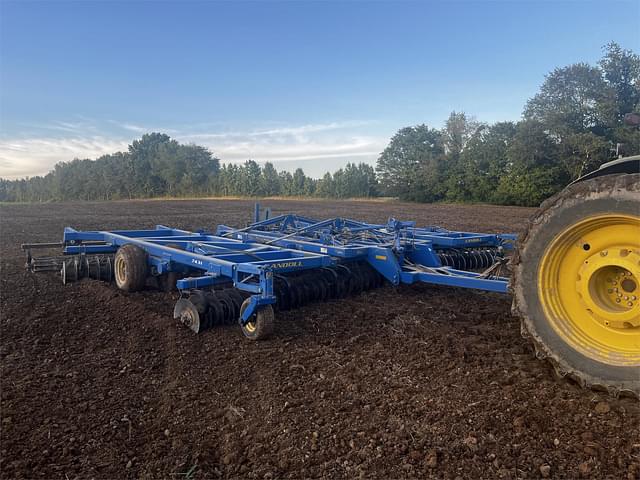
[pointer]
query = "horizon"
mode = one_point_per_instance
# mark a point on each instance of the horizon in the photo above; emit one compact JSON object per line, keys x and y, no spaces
{"x":309,"y":85}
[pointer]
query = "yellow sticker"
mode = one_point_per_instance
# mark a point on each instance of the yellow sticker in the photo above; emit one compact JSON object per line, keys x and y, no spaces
{"x":380,"y":257}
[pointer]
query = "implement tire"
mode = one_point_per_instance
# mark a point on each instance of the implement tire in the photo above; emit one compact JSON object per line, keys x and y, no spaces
{"x":576,"y":284}
{"x":261,"y":325}
{"x":131,"y":268}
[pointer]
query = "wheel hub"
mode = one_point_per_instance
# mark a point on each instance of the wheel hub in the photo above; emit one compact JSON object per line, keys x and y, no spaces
{"x":608,"y":289}
{"x":187,"y":313}
{"x":186,"y":318}
{"x":121,"y":270}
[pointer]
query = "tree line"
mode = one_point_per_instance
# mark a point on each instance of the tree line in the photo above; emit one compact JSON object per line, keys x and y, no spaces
{"x":578,"y":120}
{"x":158,"y":166}
{"x":571,"y":126}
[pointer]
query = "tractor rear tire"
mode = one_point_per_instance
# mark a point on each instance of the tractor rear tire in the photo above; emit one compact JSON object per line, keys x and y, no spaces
{"x":576,"y":284}
{"x":131,"y":268}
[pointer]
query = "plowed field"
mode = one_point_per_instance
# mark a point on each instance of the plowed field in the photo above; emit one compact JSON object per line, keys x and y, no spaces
{"x":400,"y":382}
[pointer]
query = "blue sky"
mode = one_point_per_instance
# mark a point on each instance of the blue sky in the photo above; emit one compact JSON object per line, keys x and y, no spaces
{"x":312,"y":84}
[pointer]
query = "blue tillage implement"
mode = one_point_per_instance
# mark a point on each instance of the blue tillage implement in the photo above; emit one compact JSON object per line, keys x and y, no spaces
{"x":239,"y":274}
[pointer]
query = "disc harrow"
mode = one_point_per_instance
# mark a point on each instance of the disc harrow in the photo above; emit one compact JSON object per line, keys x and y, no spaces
{"x":329,"y":283}
{"x":275,"y":264}
{"x":75,"y":267}
{"x":202,"y":309}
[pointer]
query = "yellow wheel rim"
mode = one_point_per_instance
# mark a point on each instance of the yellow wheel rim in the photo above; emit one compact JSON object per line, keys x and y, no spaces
{"x":121,"y":270}
{"x":250,"y":327}
{"x":589,"y":287}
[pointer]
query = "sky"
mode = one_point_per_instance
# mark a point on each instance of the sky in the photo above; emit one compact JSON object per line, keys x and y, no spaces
{"x":310,"y":84}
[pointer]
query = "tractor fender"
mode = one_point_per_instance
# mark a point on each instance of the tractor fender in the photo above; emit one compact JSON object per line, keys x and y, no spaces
{"x":621,"y":165}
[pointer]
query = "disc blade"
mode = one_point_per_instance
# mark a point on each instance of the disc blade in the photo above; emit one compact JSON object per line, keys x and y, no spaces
{"x":187,"y":313}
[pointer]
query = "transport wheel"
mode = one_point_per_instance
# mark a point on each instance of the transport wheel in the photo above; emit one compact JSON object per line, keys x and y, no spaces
{"x":261,"y":325}
{"x":577,"y":283}
{"x":131,"y":268}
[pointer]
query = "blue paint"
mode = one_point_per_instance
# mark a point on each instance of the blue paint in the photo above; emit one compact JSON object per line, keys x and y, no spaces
{"x":250,"y":256}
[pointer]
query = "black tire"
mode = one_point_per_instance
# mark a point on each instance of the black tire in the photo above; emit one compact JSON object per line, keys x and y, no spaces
{"x":617,"y":194}
{"x":131,"y":268}
{"x":261,"y":325}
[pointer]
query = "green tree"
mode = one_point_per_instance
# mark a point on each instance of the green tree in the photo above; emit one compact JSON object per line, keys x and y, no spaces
{"x":298,"y":183}
{"x":482,"y":163}
{"x":458,"y":131}
{"x":251,"y":181}
{"x":144,"y":154}
{"x":569,"y":101}
{"x":326,"y":186}
{"x":621,"y":70}
{"x":270,"y":180}
{"x":532,"y":172}
{"x":411,"y":166}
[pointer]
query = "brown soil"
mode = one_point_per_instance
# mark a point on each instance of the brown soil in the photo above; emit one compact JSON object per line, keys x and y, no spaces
{"x":398,"y":382}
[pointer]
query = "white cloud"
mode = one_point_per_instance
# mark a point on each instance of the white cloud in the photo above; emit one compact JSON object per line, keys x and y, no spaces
{"x":36,"y":156}
{"x":141,"y":129}
{"x":134,"y":128}
{"x":312,"y":128}
{"x":320,"y":147}
{"x":277,"y":131}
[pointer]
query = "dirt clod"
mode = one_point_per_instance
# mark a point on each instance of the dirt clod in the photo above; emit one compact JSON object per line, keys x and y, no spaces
{"x":545,"y":470}
{"x":431,"y":460}
{"x":602,"y":407}
{"x":584,"y":468}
